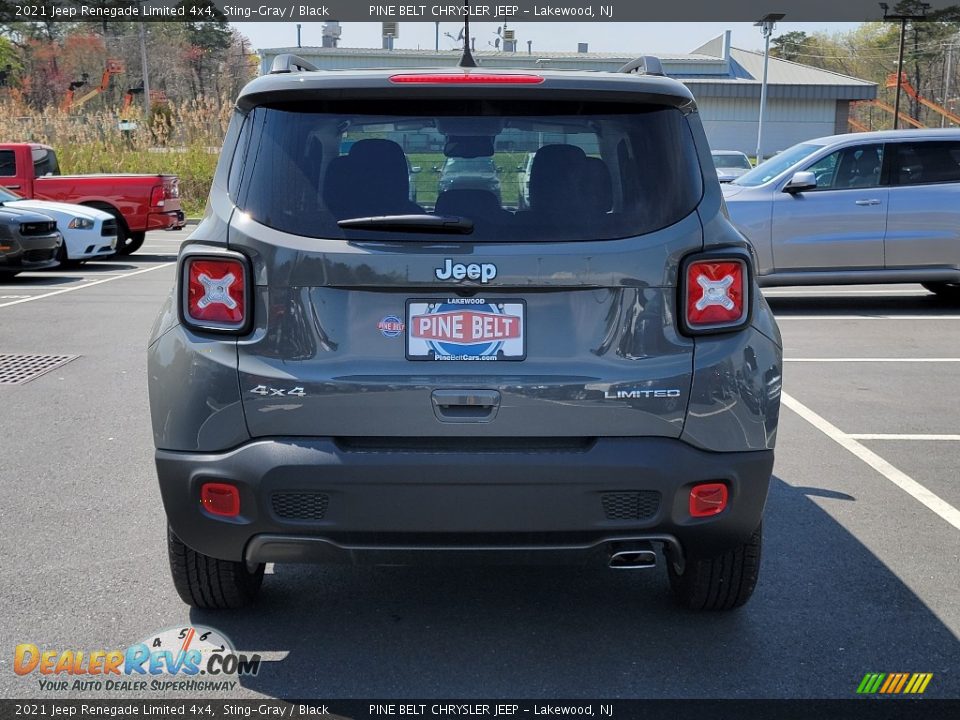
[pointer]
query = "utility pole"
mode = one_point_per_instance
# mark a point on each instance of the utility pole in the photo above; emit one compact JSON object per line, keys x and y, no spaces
{"x":766,"y":24}
{"x":903,"y":20}
{"x":436,"y":42}
{"x":948,"y":71}
{"x":298,"y":35}
{"x":146,"y":73}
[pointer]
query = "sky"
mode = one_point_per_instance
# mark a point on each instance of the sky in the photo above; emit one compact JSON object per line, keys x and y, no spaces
{"x":633,"y":38}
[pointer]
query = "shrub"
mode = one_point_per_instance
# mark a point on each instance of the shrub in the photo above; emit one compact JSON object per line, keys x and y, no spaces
{"x":183,"y":139}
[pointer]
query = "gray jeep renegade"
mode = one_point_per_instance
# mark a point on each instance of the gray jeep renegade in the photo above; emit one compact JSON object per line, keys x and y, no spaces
{"x":342,"y":374}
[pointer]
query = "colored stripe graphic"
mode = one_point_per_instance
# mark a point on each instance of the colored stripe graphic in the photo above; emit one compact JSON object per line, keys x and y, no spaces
{"x":903,"y":681}
{"x":894,"y":683}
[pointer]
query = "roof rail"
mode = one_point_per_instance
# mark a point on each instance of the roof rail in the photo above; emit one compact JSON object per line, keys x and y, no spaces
{"x":644,"y":65}
{"x":286,"y":62}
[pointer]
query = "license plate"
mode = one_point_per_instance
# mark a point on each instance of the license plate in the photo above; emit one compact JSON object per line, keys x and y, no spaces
{"x":474,"y":329}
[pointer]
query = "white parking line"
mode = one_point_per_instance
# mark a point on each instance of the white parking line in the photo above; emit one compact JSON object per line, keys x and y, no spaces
{"x":86,"y":285}
{"x":872,"y":360}
{"x":889,"y":436}
{"x":903,"y":481}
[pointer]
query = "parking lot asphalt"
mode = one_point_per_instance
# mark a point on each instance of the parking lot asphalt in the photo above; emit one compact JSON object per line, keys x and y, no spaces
{"x":861,"y":556}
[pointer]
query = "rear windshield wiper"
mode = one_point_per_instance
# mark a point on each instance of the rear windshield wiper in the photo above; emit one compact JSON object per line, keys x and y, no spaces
{"x":450,"y":224}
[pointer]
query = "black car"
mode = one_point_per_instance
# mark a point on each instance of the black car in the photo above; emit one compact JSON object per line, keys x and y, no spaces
{"x":459,"y":173}
{"x":28,"y":241}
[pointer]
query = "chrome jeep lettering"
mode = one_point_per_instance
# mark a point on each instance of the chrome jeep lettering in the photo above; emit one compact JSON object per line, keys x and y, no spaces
{"x":641,"y":394}
{"x":484,"y":272}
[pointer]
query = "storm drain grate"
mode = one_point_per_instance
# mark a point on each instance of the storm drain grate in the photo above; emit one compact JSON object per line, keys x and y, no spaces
{"x":20,"y":369}
{"x":630,"y":505}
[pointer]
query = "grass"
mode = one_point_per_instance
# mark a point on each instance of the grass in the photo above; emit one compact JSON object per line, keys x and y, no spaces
{"x":427,"y":179}
{"x":184,"y":141}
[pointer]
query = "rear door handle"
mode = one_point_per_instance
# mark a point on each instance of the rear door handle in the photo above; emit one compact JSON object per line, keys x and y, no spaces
{"x":872,"y":201}
{"x":12,"y":187}
{"x":465,"y":406}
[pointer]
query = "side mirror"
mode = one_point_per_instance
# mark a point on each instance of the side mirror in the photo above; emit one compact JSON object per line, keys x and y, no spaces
{"x":800,"y":182}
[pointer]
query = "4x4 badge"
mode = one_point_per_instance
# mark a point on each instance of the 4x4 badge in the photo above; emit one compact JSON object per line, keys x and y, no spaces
{"x":484,"y":272}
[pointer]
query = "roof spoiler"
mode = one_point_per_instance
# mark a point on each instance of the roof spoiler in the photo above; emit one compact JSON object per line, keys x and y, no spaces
{"x":286,"y":62}
{"x":643,"y":65}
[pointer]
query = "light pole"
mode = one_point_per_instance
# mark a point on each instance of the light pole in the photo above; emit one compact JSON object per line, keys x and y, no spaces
{"x":146,"y":73}
{"x":766,"y":25}
{"x":902,"y":19}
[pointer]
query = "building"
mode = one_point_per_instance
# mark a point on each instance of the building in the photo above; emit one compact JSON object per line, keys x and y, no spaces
{"x":803,"y":102}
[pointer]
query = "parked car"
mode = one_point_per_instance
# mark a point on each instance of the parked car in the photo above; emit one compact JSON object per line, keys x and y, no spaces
{"x":341,"y":376}
{"x":138,"y":202}
{"x":87,"y":232}
{"x":871,"y":207}
{"x":730,"y":164}
{"x":469,"y":173}
{"x":28,"y":241}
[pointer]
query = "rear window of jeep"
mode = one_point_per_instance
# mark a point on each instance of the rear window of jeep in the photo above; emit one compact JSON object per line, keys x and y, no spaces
{"x":515,"y":171}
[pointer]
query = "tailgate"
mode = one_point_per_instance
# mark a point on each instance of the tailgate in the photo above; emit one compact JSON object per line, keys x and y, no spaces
{"x":577,"y":340}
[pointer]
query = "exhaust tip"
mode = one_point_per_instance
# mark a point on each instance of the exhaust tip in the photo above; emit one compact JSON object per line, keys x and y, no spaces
{"x":633,"y":559}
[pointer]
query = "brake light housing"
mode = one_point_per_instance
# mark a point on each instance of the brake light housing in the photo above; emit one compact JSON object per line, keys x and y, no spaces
{"x":157,"y":196}
{"x":715,"y":294}
{"x":708,"y":499}
{"x":467,"y":78}
{"x":220,"y":499}
{"x":215,"y":293}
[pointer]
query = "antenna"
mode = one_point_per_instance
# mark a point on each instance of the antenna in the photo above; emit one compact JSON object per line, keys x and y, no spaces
{"x":466,"y":60}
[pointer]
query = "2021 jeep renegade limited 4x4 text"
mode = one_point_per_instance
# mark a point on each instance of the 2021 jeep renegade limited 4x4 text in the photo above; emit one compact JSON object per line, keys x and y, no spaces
{"x":345,"y":375}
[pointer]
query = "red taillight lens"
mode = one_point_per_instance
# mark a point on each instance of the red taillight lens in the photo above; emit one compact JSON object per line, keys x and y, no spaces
{"x":716,"y":294}
{"x":463,"y":78}
{"x":157,"y":196}
{"x":708,"y":499}
{"x":220,"y":499}
{"x":216,"y":293}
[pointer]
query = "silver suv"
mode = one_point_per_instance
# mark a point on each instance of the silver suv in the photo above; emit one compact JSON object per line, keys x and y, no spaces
{"x":877,"y":207}
{"x":344,"y":375}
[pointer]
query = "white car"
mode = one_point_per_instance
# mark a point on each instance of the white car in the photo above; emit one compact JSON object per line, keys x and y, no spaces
{"x":730,"y":164}
{"x":87,"y":232}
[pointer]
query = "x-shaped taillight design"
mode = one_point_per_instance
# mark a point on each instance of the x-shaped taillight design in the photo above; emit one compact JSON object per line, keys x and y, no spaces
{"x":215,"y":296}
{"x":216,"y":290}
{"x":715,"y":293}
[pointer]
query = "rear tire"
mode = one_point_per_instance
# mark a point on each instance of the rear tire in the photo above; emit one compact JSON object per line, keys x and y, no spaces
{"x":209,"y":583}
{"x":132,"y":241}
{"x":947,"y":291}
{"x":723,"y":582}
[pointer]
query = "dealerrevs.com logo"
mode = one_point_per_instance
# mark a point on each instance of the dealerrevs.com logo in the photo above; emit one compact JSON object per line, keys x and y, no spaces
{"x":188,"y":659}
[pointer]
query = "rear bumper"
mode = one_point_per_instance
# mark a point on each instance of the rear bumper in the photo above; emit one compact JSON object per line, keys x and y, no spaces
{"x":313,"y":500}
{"x":168,"y":220}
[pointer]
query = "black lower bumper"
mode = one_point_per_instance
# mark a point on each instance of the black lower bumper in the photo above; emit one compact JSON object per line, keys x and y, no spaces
{"x":312,"y":500}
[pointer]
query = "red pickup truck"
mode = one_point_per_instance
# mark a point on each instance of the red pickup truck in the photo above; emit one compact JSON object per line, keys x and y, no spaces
{"x":139,"y":202}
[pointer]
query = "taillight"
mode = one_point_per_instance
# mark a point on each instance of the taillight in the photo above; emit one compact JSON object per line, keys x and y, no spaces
{"x":157,"y":196}
{"x":215,"y":294}
{"x":220,"y":499}
{"x":708,"y":499}
{"x":716,"y":295}
{"x":462,"y":78}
